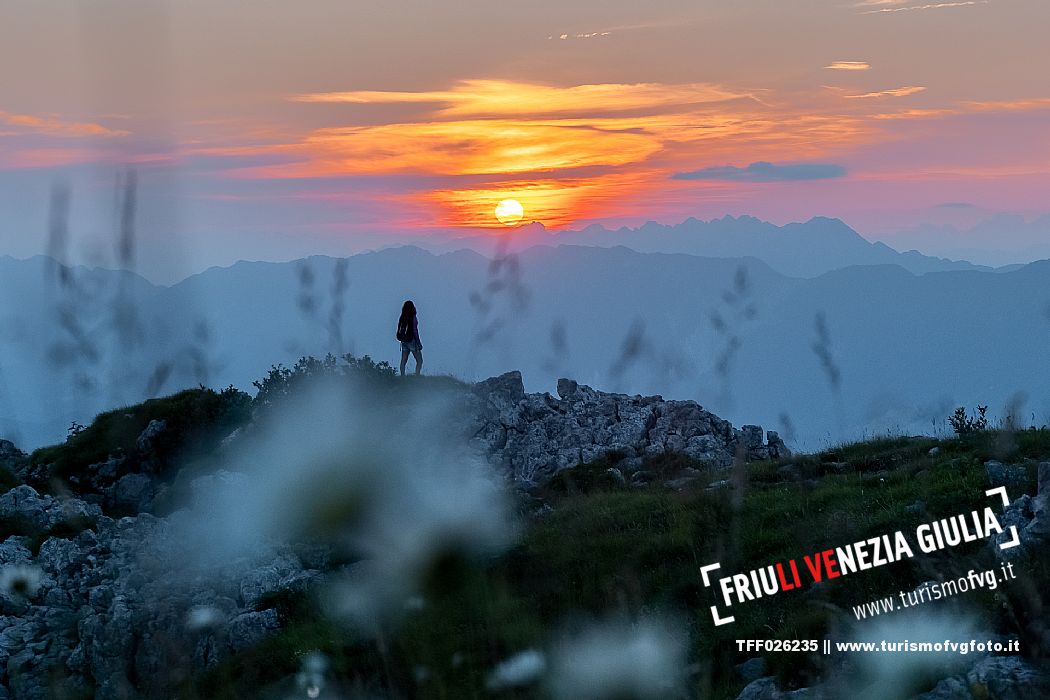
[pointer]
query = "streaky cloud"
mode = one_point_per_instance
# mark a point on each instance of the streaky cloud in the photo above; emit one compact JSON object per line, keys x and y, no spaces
{"x":53,"y":126}
{"x":848,"y":65}
{"x":893,"y":92}
{"x":588,"y":35}
{"x":1009,"y":105}
{"x":928,"y":6}
{"x":492,"y":98}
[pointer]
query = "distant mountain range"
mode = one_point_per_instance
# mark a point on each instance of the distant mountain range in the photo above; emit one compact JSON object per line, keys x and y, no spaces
{"x":1027,"y":239}
{"x":798,"y":249}
{"x":858,"y":349}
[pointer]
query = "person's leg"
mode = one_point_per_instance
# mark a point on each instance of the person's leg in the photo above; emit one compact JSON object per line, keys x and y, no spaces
{"x":404,"y":360}
{"x":418,"y":354}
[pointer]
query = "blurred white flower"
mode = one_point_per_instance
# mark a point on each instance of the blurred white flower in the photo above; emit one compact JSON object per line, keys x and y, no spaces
{"x":524,"y":668}
{"x":896,"y":673}
{"x":311,"y":676}
{"x":385,"y":478}
{"x":20,"y":580}
{"x":620,"y":660}
{"x":416,"y":603}
{"x":201,"y":617}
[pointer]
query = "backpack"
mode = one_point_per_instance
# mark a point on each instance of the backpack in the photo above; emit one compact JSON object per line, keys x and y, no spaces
{"x":403,"y":334}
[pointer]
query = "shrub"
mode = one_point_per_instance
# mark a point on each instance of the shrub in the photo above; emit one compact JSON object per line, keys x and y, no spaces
{"x":281,"y":381}
{"x":964,"y":424}
{"x":195,"y":419}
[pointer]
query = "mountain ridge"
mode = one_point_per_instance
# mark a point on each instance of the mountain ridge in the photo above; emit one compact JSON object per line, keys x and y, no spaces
{"x":801,"y":249}
{"x":734,"y":334}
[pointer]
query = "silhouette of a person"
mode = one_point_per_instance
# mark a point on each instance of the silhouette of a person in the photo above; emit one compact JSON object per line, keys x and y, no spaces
{"x":408,"y":334}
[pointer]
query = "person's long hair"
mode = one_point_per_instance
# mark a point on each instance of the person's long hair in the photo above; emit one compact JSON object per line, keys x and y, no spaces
{"x":408,"y":315}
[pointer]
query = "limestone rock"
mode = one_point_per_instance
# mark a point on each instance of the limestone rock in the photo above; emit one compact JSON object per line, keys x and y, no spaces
{"x":994,"y":678}
{"x":114,"y":605}
{"x":250,"y":628}
{"x":1043,"y":473}
{"x":534,"y":436}
{"x":11,"y":458}
{"x":1000,"y":474}
{"x":146,"y":440}
{"x":1031,"y":517}
{"x":766,"y":689}
{"x":23,"y":504}
{"x":752,"y":669}
{"x":133,"y":492}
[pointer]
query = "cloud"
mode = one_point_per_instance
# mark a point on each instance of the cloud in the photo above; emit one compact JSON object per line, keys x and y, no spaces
{"x":766,"y":172}
{"x":675,"y":23}
{"x":848,"y":65}
{"x":467,"y":147}
{"x":898,"y":5}
{"x":956,"y":205}
{"x":564,"y":152}
{"x":1010,"y":105}
{"x":916,"y":114}
{"x":53,"y":126}
{"x":493,"y":98}
{"x":893,"y":92}
{"x":590,"y":35}
{"x":26,"y":158}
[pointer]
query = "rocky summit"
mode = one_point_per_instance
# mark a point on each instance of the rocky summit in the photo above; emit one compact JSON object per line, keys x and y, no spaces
{"x":105,"y":602}
{"x":114,"y":610}
{"x":102,"y":594}
{"x":533,"y":436}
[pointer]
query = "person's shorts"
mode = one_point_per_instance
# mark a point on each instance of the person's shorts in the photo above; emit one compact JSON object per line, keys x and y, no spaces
{"x":414,"y":346}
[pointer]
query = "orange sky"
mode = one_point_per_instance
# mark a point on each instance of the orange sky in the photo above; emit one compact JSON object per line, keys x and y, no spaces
{"x":400,"y":116}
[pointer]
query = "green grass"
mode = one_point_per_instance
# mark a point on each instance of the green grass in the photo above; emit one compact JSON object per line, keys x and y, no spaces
{"x":20,"y":527}
{"x":65,"y":529}
{"x":608,"y":548}
{"x":7,"y":480}
{"x":196,"y":420}
{"x":15,"y":526}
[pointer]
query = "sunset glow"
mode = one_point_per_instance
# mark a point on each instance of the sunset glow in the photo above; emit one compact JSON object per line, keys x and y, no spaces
{"x":509,"y":212}
{"x":636,"y":117}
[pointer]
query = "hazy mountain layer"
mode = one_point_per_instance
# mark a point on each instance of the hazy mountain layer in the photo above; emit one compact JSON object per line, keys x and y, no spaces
{"x":858,"y":350}
{"x":799,"y":249}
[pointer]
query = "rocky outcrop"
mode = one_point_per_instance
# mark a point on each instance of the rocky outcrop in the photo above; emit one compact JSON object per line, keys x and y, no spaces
{"x":766,"y":689}
{"x":529,"y":437}
{"x":11,"y":458}
{"x":107,"y":609}
{"x":1031,"y":516}
{"x":533,"y":436}
{"x":990,"y":678}
{"x":101,"y":604}
{"x":22,"y":506}
{"x":994,"y":678}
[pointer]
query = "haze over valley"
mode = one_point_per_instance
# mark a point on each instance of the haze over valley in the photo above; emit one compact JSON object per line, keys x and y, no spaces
{"x":827,"y":338}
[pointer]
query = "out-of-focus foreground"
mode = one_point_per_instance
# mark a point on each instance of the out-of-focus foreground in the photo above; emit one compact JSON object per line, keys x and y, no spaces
{"x":347,"y":533}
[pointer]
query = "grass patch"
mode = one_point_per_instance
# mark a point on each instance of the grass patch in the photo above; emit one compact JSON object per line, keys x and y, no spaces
{"x":7,"y":480}
{"x":196,"y":419}
{"x":15,"y":526}
{"x":66,"y":529}
{"x":606,"y":546}
{"x":612,"y":549}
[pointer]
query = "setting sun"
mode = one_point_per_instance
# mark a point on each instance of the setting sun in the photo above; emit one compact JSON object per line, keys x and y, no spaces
{"x":509,"y":212}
